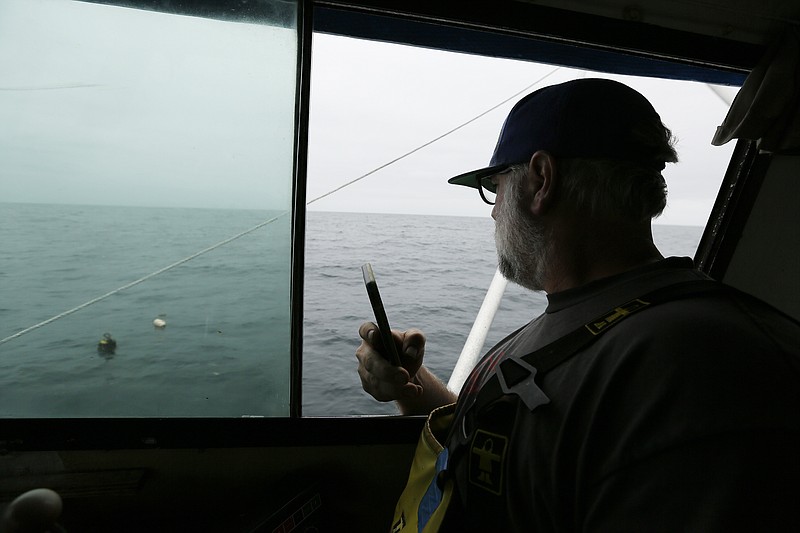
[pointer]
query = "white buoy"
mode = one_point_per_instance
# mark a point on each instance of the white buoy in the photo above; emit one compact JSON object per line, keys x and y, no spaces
{"x":159,"y":323}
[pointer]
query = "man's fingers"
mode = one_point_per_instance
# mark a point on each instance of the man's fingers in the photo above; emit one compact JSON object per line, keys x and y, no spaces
{"x":381,"y":388}
{"x":413,"y":343}
{"x":413,"y":350}
{"x":367,"y":331}
{"x":379,"y":377}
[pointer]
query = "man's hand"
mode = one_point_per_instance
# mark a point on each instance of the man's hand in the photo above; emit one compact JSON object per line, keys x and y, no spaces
{"x":380,"y":378}
{"x":416,"y":390}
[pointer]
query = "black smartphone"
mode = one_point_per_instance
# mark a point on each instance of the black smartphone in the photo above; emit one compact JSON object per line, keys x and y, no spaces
{"x":390,"y":350}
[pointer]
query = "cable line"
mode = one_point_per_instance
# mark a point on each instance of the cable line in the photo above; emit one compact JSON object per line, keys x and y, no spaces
{"x":442,"y":136}
{"x":273,"y":219}
{"x":142,"y":279}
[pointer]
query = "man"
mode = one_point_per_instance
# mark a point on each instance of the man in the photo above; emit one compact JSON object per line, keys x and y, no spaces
{"x":680,"y":411}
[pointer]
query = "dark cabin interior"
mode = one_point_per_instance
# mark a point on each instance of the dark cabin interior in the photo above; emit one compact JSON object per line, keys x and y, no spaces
{"x":216,"y":474}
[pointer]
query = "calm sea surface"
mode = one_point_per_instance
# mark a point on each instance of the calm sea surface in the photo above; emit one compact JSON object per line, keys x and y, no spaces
{"x":224,"y":349}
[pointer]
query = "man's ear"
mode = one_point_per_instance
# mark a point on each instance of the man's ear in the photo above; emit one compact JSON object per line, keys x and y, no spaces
{"x":541,"y":177}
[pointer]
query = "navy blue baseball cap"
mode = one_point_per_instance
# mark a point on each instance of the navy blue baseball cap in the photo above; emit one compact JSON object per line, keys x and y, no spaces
{"x":589,"y":117}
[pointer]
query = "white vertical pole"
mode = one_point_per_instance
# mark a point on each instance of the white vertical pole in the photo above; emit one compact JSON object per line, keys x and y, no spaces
{"x":471,"y":352}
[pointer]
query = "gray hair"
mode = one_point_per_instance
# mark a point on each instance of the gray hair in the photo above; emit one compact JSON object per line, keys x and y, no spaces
{"x":608,"y":189}
{"x":620,"y":189}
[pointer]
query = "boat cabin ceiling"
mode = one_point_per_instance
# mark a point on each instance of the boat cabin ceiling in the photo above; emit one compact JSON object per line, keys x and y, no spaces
{"x":254,"y":474}
{"x":737,"y":20}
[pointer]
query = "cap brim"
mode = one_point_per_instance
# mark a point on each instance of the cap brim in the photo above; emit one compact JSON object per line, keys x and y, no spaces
{"x":471,"y":179}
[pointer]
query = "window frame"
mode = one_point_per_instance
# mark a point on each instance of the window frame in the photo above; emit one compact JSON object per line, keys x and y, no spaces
{"x":512,"y":34}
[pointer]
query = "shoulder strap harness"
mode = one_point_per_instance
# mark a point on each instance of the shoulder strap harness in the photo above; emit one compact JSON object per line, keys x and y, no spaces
{"x":486,"y":443}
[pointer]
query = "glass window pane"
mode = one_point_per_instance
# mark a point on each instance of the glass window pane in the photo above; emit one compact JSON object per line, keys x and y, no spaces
{"x":382,"y":112}
{"x":147,"y":189}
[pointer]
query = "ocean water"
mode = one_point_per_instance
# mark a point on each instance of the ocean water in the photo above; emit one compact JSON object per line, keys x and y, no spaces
{"x":433,"y":273}
{"x":224,"y":350}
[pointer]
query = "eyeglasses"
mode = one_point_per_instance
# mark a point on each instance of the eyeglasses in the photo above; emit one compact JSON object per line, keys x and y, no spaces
{"x":487,"y":189}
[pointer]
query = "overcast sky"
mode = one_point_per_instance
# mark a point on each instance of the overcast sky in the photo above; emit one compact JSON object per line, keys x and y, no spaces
{"x":106,"y":105}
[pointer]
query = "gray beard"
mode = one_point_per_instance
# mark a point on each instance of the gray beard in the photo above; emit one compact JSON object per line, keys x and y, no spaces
{"x":522,"y":246}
